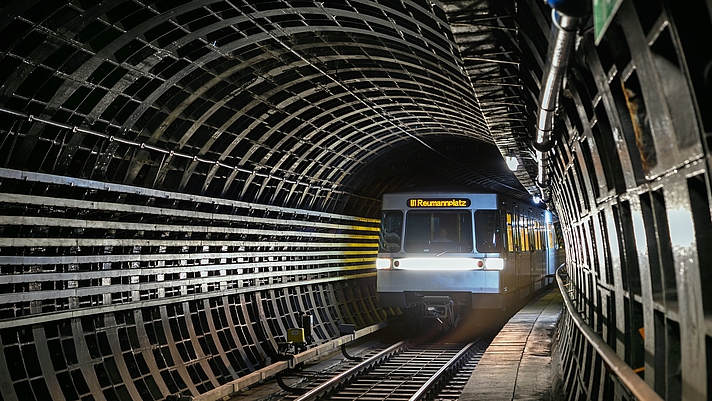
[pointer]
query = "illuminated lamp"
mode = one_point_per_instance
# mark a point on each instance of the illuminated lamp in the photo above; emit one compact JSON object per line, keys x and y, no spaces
{"x":512,"y":162}
{"x":494,"y":264}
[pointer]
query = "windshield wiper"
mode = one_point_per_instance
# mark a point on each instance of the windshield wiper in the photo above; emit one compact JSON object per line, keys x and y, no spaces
{"x":447,"y":250}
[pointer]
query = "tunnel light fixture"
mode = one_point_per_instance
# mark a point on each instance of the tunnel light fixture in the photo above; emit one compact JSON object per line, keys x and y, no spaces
{"x":536,"y":199}
{"x":512,"y":162}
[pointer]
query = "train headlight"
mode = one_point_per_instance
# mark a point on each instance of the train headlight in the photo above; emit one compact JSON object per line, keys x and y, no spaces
{"x":383,"y":263}
{"x":494,"y":264}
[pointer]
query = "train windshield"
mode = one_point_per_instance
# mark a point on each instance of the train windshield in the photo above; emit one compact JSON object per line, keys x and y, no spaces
{"x":391,"y":231}
{"x":445,"y":231}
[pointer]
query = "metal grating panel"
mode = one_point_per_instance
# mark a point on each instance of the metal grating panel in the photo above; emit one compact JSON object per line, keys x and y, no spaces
{"x":632,"y":184}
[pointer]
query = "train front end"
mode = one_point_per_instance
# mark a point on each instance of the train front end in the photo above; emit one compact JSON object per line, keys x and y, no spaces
{"x":436,"y":250}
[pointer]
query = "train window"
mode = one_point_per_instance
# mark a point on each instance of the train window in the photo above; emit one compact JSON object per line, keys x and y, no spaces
{"x":530,"y":233}
{"x":391,"y":231}
{"x":539,"y":232}
{"x":510,"y":236}
{"x":523,"y":243}
{"x":535,"y":235}
{"x":438,"y":231}
{"x":487,"y":231}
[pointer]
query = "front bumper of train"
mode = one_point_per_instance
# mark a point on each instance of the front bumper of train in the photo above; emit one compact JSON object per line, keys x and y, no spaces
{"x":439,"y":264}
{"x":472,"y":281}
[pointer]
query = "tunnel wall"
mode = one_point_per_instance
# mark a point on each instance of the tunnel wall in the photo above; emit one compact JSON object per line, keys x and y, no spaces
{"x":129,"y":293}
{"x":140,"y":290}
{"x":632,"y":187}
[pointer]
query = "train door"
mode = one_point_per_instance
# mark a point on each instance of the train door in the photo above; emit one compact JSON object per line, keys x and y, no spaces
{"x":524,"y":276}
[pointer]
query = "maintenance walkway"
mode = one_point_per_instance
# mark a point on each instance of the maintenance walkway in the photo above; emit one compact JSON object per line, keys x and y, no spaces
{"x":517,"y":364}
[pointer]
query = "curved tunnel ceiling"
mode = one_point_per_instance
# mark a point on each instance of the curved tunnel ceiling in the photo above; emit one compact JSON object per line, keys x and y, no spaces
{"x":271,"y":101}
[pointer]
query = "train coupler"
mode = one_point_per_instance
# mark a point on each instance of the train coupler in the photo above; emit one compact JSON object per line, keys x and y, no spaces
{"x":438,"y":307}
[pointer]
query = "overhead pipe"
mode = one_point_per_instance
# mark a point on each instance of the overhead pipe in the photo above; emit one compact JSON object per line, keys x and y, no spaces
{"x":565,"y":19}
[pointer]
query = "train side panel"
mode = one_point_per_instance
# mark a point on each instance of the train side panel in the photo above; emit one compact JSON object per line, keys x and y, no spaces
{"x":525,"y":253}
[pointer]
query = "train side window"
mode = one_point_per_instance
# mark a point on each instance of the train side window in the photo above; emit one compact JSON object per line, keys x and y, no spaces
{"x":487,"y":232}
{"x":523,"y":240}
{"x":539,"y":235}
{"x":510,"y":233}
{"x":391,"y":231}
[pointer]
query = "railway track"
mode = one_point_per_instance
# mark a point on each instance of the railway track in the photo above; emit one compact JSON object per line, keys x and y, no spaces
{"x":402,"y":371}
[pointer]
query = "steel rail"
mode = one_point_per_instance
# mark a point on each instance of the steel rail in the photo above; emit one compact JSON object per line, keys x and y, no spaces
{"x":230,"y":388}
{"x":343,"y":376}
{"x":423,"y":390}
{"x":616,"y":366}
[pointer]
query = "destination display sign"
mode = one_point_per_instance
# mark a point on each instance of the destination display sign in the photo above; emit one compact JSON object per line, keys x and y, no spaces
{"x":426,"y":202}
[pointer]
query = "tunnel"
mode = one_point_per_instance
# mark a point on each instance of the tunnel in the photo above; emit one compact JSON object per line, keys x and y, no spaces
{"x":181,"y":180}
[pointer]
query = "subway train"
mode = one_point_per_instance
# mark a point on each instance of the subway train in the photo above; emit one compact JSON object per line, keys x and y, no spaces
{"x":442,"y":254}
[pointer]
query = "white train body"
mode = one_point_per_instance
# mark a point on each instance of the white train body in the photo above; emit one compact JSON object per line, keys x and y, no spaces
{"x":478,"y":249}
